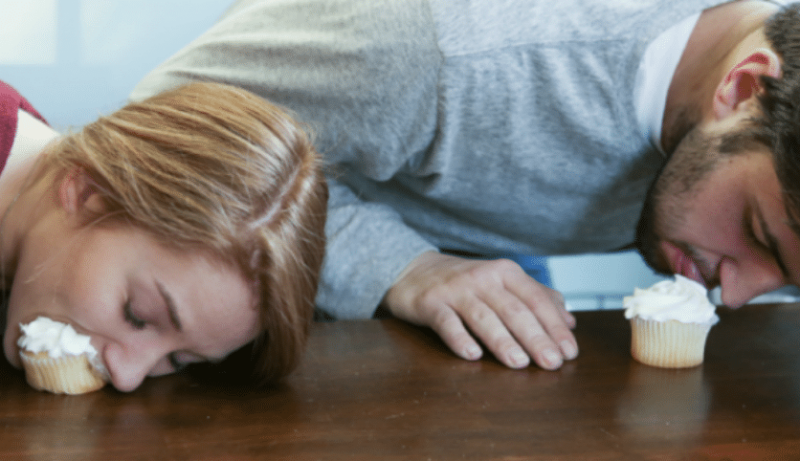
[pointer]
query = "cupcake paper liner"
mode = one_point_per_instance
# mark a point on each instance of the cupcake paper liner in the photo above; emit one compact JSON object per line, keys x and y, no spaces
{"x":669,"y":344}
{"x":62,"y":375}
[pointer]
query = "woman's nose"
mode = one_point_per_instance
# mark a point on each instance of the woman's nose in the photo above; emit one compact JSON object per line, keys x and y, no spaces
{"x":740,"y":282}
{"x":128,"y":366}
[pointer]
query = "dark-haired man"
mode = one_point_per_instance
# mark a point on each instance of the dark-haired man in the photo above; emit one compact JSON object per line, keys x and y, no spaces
{"x":537,"y":127}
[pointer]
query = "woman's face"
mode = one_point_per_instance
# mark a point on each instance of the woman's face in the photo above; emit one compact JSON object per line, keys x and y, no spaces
{"x":148,"y":310}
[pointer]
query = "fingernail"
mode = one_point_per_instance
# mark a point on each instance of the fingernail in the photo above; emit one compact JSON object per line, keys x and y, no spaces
{"x":552,"y":358}
{"x":518,"y":357}
{"x":472,"y":352}
{"x":568,"y":349}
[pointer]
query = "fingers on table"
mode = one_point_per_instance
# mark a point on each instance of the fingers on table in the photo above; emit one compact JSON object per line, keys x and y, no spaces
{"x":514,"y":316}
{"x":543,"y":325}
{"x":526,"y":329}
{"x":448,"y":325}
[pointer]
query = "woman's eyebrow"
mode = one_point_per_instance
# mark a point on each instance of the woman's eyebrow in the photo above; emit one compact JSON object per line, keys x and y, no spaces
{"x":172,"y":309}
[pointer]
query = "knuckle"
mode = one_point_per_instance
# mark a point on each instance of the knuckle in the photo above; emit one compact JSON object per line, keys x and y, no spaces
{"x":547,"y":300}
{"x":514,"y":309}
{"x":432,"y":297}
{"x":537,"y":340}
{"x":443,"y":319}
{"x":557,"y":297}
{"x":504,"y":266}
{"x":476,"y":276}
{"x":478,"y":315}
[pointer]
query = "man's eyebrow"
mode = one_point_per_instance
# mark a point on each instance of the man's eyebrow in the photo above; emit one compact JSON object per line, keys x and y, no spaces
{"x":172,"y":309}
{"x":772,"y":243}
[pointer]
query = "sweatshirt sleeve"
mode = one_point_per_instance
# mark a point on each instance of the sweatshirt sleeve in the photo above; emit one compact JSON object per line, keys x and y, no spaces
{"x":363,"y":77}
{"x":368,"y":246}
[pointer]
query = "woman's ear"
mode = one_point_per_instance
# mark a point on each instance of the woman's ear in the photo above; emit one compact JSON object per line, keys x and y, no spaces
{"x":743,"y":81}
{"x":77,"y":191}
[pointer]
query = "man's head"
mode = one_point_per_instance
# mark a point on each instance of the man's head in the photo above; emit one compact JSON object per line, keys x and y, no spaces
{"x":724,"y":208}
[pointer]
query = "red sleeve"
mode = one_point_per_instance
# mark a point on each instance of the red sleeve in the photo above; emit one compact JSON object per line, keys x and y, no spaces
{"x":10,"y":103}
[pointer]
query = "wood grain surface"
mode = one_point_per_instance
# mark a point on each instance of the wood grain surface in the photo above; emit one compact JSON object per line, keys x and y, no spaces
{"x":386,"y":390}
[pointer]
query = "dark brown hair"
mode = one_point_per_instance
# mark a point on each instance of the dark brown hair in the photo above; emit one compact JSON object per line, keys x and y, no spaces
{"x":779,"y":126}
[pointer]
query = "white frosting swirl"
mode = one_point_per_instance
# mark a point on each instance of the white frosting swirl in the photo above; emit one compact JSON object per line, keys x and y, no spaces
{"x":683,"y":300}
{"x":55,"y":338}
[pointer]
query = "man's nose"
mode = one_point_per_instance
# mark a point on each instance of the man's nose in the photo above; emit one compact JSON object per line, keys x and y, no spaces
{"x":742,"y":281}
{"x":128,"y":365}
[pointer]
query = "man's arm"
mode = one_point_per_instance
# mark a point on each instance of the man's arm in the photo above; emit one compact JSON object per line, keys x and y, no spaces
{"x":374,"y":257}
{"x":368,"y":247}
{"x":366,"y":85}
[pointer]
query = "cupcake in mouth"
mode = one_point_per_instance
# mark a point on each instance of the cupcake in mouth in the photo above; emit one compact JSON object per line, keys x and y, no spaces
{"x":58,"y":359}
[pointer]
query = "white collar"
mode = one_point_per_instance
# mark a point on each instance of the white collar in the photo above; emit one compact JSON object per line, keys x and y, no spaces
{"x":654,"y":76}
{"x":31,"y":137}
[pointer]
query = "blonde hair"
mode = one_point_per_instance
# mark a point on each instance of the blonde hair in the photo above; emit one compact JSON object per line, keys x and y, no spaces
{"x":215,"y":168}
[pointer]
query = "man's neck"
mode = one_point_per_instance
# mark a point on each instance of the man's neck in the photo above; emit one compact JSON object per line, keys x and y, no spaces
{"x":719,"y":33}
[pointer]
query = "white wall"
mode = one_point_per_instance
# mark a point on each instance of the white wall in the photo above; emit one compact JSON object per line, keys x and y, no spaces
{"x":600,"y":281}
{"x":77,"y":59}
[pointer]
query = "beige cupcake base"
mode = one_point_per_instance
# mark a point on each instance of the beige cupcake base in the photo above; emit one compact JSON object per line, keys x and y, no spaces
{"x":63,"y":375}
{"x":669,"y":344}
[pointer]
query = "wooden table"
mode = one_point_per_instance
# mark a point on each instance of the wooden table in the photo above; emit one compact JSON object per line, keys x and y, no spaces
{"x":384,"y":390}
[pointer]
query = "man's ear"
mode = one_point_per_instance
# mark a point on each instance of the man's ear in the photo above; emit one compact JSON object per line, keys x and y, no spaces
{"x":76,"y":191}
{"x":743,"y":81}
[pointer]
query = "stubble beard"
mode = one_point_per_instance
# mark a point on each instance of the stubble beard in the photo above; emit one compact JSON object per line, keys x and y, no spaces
{"x":664,"y":208}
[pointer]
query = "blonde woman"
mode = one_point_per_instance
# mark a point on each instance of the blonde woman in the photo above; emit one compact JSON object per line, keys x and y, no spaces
{"x":179,"y":229}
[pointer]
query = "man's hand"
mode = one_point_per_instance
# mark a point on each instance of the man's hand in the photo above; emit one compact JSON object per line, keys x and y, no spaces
{"x":516,"y":317}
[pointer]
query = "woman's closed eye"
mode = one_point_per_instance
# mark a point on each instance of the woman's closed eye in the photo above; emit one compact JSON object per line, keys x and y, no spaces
{"x":132,"y":318}
{"x":139,"y":324}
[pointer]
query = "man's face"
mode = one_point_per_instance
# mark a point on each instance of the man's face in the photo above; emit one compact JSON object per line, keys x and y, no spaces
{"x":720,"y":219}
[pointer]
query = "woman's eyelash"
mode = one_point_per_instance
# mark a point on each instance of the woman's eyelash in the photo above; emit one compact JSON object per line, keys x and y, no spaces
{"x":131,"y":318}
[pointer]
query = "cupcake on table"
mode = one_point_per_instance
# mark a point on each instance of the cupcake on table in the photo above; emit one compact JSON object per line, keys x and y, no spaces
{"x":670,"y":322}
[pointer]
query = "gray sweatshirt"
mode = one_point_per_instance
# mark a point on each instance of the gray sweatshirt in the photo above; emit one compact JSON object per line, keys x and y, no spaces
{"x":487,"y":126}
